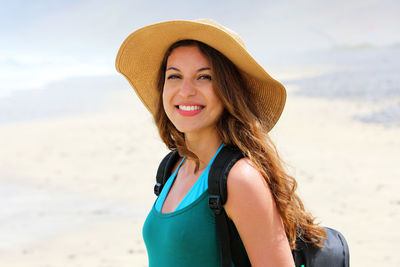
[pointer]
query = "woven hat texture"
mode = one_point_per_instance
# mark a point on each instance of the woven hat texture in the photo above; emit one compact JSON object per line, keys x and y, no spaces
{"x":141,"y":54}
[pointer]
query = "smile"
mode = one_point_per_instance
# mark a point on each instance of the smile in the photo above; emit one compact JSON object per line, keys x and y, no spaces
{"x":189,"y":110}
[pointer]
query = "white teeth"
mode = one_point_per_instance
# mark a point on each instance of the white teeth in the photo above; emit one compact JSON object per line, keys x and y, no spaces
{"x":189,"y":108}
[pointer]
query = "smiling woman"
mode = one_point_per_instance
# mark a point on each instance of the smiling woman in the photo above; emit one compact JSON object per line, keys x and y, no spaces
{"x":207,"y":95}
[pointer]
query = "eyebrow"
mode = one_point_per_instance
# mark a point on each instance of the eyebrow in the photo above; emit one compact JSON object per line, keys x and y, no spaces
{"x":201,"y":69}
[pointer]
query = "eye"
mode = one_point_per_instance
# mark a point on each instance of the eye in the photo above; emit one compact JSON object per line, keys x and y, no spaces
{"x":205,"y":77}
{"x":173,"y":76}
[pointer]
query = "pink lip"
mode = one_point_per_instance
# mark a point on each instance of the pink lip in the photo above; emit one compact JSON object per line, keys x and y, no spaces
{"x":189,"y":113}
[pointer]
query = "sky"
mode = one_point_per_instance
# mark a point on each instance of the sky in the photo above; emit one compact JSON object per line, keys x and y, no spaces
{"x":47,"y":41}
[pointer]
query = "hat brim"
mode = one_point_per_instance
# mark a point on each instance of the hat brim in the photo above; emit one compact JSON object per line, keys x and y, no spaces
{"x":141,"y":54}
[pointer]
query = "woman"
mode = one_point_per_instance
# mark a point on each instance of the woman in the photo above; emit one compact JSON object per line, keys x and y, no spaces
{"x":206,"y":91}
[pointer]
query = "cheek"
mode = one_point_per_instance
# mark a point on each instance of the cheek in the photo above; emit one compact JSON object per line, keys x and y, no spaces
{"x":219,"y":109}
{"x":166,"y":97}
{"x":217,"y":103}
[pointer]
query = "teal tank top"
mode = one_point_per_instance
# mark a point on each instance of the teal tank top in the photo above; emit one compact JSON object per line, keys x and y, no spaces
{"x":186,"y":236}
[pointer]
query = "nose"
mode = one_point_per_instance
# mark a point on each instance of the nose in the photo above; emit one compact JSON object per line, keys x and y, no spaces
{"x":187,"y":88}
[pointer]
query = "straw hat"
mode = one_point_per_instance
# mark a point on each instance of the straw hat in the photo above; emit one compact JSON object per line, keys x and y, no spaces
{"x":141,"y":54}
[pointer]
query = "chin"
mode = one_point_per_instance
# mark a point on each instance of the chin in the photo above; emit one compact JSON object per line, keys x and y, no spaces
{"x":194,"y":130}
{"x":185,"y":129}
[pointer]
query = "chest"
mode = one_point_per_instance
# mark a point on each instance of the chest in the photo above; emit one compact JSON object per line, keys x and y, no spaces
{"x":179,"y":189}
{"x":183,"y":237}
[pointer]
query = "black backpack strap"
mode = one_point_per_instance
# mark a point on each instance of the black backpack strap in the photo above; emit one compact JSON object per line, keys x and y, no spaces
{"x":164,"y":170}
{"x":217,"y":188}
{"x":218,"y":175}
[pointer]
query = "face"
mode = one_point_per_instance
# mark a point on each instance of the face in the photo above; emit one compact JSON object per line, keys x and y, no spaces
{"x":188,"y":97}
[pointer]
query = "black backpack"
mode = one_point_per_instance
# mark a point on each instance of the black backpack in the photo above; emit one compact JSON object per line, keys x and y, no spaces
{"x":335,"y":252}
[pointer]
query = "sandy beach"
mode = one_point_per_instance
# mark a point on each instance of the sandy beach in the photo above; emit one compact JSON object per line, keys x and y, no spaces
{"x":76,"y":188}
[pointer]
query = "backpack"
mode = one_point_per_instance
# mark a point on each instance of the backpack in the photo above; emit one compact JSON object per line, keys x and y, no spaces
{"x":335,"y":252}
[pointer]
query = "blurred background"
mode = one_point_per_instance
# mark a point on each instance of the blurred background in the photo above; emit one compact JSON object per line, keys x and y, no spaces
{"x":78,"y":151}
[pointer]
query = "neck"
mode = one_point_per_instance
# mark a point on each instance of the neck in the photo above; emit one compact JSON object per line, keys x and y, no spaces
{"x":204,"y":146}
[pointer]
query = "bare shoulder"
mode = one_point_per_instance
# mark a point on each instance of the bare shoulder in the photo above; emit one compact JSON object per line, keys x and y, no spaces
{"x":252,"y":208}
{"x":244,"y":172}
{"x":245,"y":182}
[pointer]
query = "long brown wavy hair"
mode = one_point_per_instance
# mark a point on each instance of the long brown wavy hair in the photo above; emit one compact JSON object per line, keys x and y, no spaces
{"x":240,"y":126}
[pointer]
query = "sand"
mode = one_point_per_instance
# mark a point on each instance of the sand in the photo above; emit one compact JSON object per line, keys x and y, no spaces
{"x":77,"y":188}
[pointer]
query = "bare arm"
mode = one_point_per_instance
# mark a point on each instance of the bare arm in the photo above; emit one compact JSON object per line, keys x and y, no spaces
{"x":252,"y":208}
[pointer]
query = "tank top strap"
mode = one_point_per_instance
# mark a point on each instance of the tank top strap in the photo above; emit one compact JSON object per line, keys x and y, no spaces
{"x":164,"y":192}
{"x":200,"y":186}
